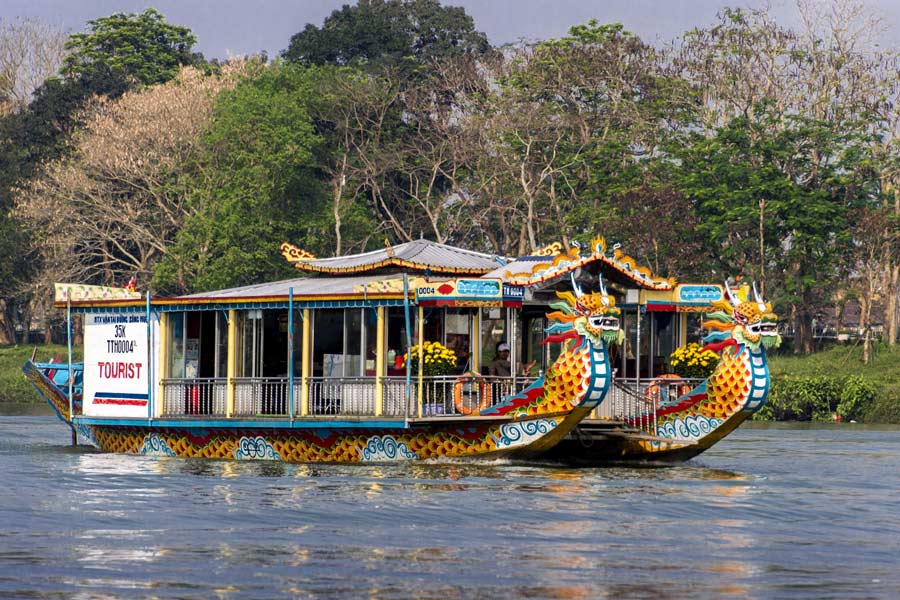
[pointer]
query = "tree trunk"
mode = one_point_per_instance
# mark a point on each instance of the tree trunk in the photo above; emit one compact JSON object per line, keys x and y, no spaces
{"x":891,"y":312}
{"x":7,"y":323}
{"x":865,"y":309}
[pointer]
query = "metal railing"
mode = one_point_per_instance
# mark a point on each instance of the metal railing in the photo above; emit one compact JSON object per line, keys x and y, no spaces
{"x":636,"y":401}
{"x":342,"y":396}
{"x":260,"y":396}
{"x":449,"y":396}
{"x":192,"y":397}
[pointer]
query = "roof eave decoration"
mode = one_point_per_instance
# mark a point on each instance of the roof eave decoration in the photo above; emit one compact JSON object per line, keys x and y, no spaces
{"x":565,"y":261}
{"x":301,"y":259}
{"x":76,"y":293}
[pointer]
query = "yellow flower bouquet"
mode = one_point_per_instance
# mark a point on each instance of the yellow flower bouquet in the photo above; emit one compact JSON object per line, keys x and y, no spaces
{"x":437,"y":359}
{"x":693,"y":362}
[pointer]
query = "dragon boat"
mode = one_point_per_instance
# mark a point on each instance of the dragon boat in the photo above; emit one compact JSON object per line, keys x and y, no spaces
{"x":689,"y":421}
{"x":228,"y":375}
{"x":338,"y":365}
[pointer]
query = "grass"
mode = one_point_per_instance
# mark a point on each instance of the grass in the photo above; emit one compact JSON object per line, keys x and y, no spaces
{"x":839,"y":361}
{"x":13,"y":386}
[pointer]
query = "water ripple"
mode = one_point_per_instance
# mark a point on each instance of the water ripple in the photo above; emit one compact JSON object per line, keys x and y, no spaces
{"x":784,"y":513}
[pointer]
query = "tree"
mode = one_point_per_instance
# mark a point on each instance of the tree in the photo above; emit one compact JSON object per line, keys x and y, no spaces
{"x":111,"y":209}
{"x":785,"y":122}
{"x":139,"y":49}
{"x":255,"y":187}
{"x":30,"y":52}
{"x":384,"y":33}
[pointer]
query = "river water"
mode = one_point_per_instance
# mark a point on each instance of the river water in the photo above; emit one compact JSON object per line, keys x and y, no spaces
{"x":767,"y":513}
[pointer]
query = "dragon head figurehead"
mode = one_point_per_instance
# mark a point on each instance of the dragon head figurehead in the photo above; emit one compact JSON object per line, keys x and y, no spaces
{"x":748,"y":322}
{"x":593,"y":316}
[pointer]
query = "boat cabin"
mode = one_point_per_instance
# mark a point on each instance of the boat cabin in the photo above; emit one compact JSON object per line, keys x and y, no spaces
{"x":346,"y":339}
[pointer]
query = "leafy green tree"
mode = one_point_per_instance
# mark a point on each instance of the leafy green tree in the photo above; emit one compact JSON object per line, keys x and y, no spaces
{"x":379,"y":33}
{"x":138,"y":48}
{"x":774,"y":195}
{"x":255,"y":186}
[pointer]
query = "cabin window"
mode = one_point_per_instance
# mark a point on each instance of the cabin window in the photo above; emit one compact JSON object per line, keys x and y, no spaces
{"x":458,"y":324}
{"x":663,"y":340}
{"x":176,"y":354}
{"x":494,"y":330}
{"x":533,"y":350}
{"x":344,"y":342}
{"x":263,"y":343}
{"x":397,"y":339}
{"x":198,"y":344}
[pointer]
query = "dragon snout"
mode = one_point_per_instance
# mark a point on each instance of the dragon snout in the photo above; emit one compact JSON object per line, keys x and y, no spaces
{"x":763,"y":328}
{"x":604,"y":322}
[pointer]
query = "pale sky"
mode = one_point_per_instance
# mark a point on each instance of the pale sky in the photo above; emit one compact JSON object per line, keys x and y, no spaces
{"x":236,"y":27}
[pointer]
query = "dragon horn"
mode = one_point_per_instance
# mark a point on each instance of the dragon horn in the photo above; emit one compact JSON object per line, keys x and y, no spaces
{"x":734,"y":301}
{"x":759,"y":300}
{"x":575,"y":286}
{"x":603,"y":295}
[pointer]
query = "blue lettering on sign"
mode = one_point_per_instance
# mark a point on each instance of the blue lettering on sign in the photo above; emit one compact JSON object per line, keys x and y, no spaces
{"x":513,"y":291}
{"x":474,"y":287}
{"x":699,"y":293}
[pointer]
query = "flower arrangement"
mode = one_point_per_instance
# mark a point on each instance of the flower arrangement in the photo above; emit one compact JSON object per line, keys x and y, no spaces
{"x":693,"y":362}
{"x":437,"y":358}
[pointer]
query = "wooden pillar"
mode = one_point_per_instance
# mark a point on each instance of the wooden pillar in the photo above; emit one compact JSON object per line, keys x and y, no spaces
{"x":380,"y":354}
{"x":231,"y":364}
{"x":305,"y":359}
{"x":476,"y":342}
{"x":420,"y":325}
{"x":163,"y":363}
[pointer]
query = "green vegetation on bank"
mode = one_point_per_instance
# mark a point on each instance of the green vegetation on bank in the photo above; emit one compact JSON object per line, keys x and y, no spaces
{"x":14,"y":388}
{"x":833,"y":382}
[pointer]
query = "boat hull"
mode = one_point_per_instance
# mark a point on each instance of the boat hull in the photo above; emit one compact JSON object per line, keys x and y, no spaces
{"x":597,"y":444}
{"x":334,"y":442}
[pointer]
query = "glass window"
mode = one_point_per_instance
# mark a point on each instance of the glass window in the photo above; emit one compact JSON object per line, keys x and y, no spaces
{"x":176,"y":356}
{"x":494,"y":330}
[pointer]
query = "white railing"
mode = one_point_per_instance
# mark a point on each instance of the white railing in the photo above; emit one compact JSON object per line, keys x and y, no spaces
{"x":342,"y":396}
{"x":190,"y":397}
{"x":449,"y":396}
{"x":260,"y":396}
{"x":636,"y":401}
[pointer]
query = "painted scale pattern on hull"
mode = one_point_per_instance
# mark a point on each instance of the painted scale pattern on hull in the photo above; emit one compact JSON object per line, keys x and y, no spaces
{"x":327,"y":445}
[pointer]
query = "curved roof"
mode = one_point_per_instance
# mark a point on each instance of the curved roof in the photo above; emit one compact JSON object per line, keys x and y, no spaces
{"x":422,"y":255}
{"x":534,"y":270}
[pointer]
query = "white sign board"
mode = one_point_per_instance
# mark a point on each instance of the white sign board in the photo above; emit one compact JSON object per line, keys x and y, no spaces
{"x":116,"y":366}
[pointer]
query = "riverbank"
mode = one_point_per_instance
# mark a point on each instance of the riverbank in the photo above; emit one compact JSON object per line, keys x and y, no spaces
{"x":835,"y":381}
{"x":14,"y":389}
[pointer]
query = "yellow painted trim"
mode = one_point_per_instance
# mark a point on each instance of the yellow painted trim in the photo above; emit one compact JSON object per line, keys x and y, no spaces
{"x":163,"y":363}
{"x":390,"y":262}
{"x":231,"y":362}
{"x":305,"y":357}
{"x":380,"y":354}
{"x":299,"y":298}
{"x":420,"y":388}
{"x":476,"y":343}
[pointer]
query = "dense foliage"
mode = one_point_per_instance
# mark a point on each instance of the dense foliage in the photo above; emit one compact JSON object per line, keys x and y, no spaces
{"x":746,"y":147}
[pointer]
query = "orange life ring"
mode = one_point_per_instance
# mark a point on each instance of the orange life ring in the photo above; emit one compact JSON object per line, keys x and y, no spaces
{"x":653,"y":391}
{"x":467,"y":384}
